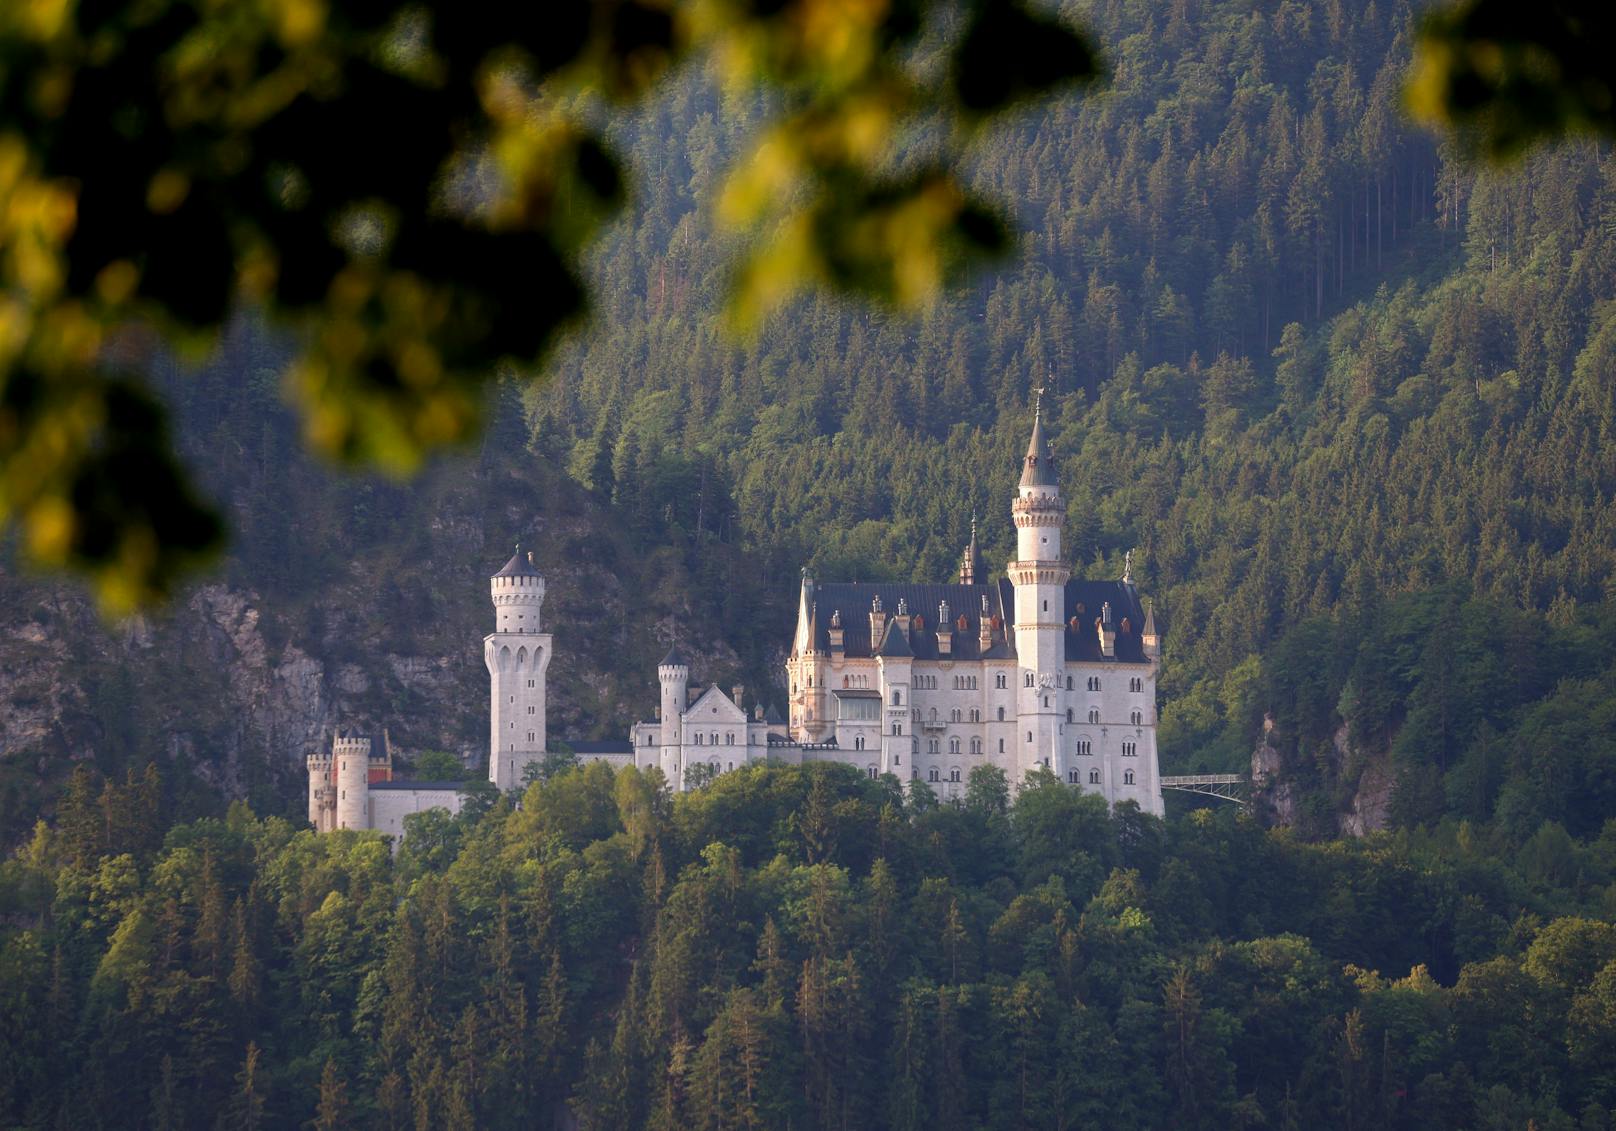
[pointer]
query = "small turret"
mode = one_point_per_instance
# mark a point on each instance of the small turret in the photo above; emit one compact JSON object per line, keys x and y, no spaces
{"x":1149,"y":639}
{"x":322,"y":792}
{"x":945,"y":630}
{"x":836,"y":633}
{"x":967,"y":574}
{"x":1107,"y":631}
{"x":984,"y":627}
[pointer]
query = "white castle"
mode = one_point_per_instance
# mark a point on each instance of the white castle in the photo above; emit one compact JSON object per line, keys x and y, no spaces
{"x":1036,"y":671}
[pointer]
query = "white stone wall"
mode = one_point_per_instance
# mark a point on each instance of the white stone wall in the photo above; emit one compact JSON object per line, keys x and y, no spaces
{"x":389,"y":807}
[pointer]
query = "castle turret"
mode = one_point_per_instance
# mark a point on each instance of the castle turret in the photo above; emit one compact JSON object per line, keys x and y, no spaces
{"x":517,"y":655}
{"x":967,"y":574}
{"x":673,"y":673}
{"x":1039,"y":576}
{"x":1149,"y":638}
{"x":351,"y":753}
{"x":322,"y":792}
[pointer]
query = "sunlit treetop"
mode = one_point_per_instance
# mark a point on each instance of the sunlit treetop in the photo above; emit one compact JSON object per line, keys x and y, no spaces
{"x":407,"y":189}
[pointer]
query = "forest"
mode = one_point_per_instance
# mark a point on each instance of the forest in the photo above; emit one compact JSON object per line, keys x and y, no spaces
{"x":800,"y":947}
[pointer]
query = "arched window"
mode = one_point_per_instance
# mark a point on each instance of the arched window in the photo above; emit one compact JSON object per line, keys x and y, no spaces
{"x":1029,"y":736}
{"x":1138,"y":717}
{"x":858,"y":742}
{"x":953,"y":746}
{"x":1084,"y":746}
{"x":897,"y":728}
{"x":998,"y":679}
{"x":698,"y":738}
{"x":1127,"y":777}
{"x":1068,"y":714}
{"x":1068,"y":683}
{"x":872,"y":773}
{"x":1130,"y":749}
{"x":1026,"y":679}
{"x":976,"y":715}
{"x":897,"y":697}
{"x":1071,"y":776}
{"x":1094,"y":777}
{"x":932,"y":746}
{"x":1094,"y":714}
{"x":932,"y":714}
{"x":976,"y":746}
{"x":953,"y":774}
{"x":1001,"y":714}
{"x":931,"y":774}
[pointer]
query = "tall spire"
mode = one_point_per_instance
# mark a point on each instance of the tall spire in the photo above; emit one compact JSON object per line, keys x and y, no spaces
{"x":967,"y":573}
{"x":1037,"y":471}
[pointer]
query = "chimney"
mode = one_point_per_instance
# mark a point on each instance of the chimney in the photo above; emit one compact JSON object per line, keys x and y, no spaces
{"x":1108,"y":632}
{"x":878,"y":624}
{"x":836,"y":632}
{"x":945,"y":630}
{"x":984,"y":628}
{"x":736,"y":694}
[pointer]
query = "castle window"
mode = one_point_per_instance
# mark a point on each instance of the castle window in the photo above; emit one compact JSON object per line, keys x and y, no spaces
{"x":1127,"y":777}
{"x":998,"y":679}
{"x":1001,"y":714}
{"x":698,"y":738}
{"x":897,"y":759}
{"x":1046,"y":603}
{"x":1136,"y":684}
{"x":530,"y":683}
{"x":953,"y":746}
{"x":897,"y":697}
{"x":1094,"y":777}
{"x":1001,"y":746}
{"x":1029,"y":736}
{"x":1094,"y":714}
{"x":976,"y":746}
{"x":858,"y":742}
{"x":1068,"y":714}
{"x":1130,"y":749}
{"x":872,"y":773}
{"x":953,"y":774}
{"x":897,"y":728}
{"x":714,"y":737}
{"x":976,"y":715}
{"x":1137,"y":717}
{"x":1046,"y":701}
{"x":1071,"y":776}
{"x":954,"y":715}
{"x":1084,"y":746}
{"x":1026,"y":679}
{"x":931,"y":746}
{"x":648,"y":740}
{"x":931,"y":774}
{"x":1068,"y":683}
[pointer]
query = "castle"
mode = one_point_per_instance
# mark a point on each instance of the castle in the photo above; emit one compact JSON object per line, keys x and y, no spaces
{"x":1036,"y":671}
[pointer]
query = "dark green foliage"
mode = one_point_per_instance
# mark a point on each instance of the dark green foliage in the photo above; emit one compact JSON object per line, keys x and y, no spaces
{"x":745,"y":957}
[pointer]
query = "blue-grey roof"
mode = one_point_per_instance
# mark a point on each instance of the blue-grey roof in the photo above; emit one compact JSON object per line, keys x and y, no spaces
{"x":1082,"y":601}
{"x":520,"y":565}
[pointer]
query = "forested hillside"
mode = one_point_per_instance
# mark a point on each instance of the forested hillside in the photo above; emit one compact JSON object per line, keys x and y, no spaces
{"x":1321,"y":373}
{"x":803,"y":948}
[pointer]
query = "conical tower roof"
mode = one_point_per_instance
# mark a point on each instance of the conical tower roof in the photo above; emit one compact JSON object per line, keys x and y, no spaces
{"x":1038,"y":470}
{"x":674,"y":659}
{"x":520,"y":565}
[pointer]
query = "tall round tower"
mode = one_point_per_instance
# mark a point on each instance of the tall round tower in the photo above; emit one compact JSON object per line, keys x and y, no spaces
{"x":673,"y":673}
{"x":517,"y":655}
{"x":1039,"y":576}
{"x":351,"y":753}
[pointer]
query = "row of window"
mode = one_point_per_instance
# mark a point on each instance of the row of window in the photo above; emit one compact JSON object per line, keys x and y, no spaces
{"x":935,"y":775}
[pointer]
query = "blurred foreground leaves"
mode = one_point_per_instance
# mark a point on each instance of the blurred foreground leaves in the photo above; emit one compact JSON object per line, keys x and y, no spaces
{"x":408,"y":187}
{"x":1504,"y":74}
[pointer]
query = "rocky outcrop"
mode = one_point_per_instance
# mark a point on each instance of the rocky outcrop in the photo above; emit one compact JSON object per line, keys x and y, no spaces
{"x":1277,"y":796}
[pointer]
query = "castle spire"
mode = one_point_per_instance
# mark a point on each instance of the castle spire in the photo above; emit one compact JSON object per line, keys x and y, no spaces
{"x":967,"y":574}
{"x":1037,"y":471}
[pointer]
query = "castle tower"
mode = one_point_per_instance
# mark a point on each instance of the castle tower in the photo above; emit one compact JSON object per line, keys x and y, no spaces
{"x":967,"y":573}
{"x":1039,"y":576}
{"x":673,"y":673}
{"x":351,"y":753}
{"x":517,"y":655}
{"x":322,"y":792}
